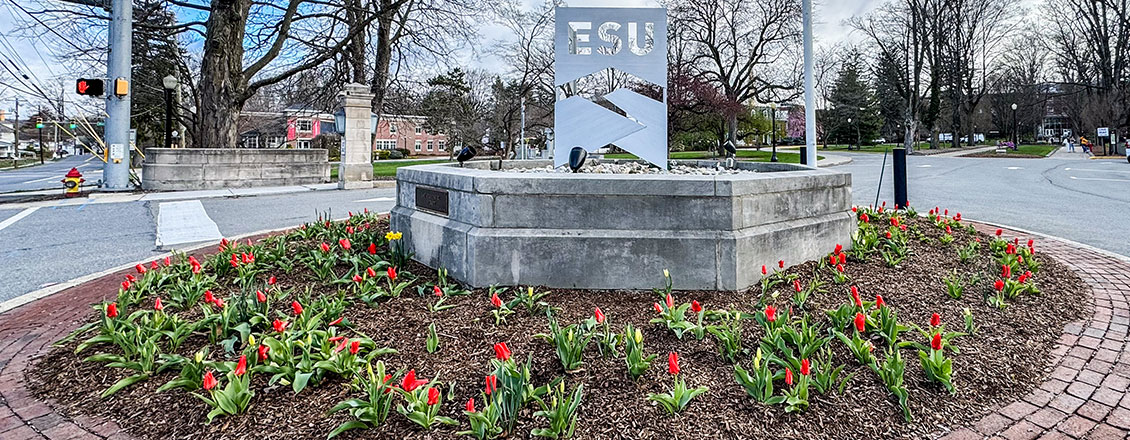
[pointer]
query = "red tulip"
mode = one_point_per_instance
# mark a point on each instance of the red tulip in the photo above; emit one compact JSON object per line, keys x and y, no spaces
{"x":657,"y":309}
{"x":839,"y":248}
{"x":864,"y":217}
{"x":341,"y":345}
{"x":879,"y":301}
{"x":131,"y":278}
{"x":192,"y":260}
{"x":770,"y":313}
{"x":325,"y":247}
{"x":220,"y":302}
{"x":491,"y":384}
{"x":470,"y":405}
{"x":433,"y":396}
{"x":854,"y":209}
{"x":840,"y":268}
{"x":241,"y":366}
{"x":948,"y":230}
{"x":670,"y":301}
{"x":1019,"y":258}
{"x":112,"y":310}
{"x":788,"y":376}
{"x":501,"y":351}
{"x":860,"y":322}
{"x":279,"y":326}
{"x":695,"y":306}
{"x":263,"y":349}
{"x":247,"y":258}
{"x":354,"y":347}
{"x":673,"y":363}
{"x":1030,"y":243}
{"x":125,"y":285}
{"x":894,"y":221}
{"x":888,"y":234}
{"x":437,"y":291}
{"x":157,"y":305}
{"x":344,"y":244}
{"x":957,"y":217}
{"x":1011,"y":249}
{"x":832,"y":260}
{"x":391,"y":273}
{"x":357,"y":279}
{"x":154,"y":265}
{"x":169,"y":261}
{"x":208,"y":298}
{"x":209,"y":381}
{"x":936,"y":343}
{"x":337,"y":321}
{"x":999,"y":285}
{"x":935,"y":320}
{"x":139,"y":268}
{"x":296,"y":307}
{"x":1006,"y":271}
{"x":372,"y":249}
{"x":946,"y":213}
{"x":337,"y":338}
{"x":764,"y":271}
{"x":272,"y":280}
{"x":234,"y":261}
{"x":349,"y":230}
{"x":598,"y":315}
{"x":196,"y":268}
{"x":804,"y":367}
{"x":496,"y":301}
{"x":855,"y":297}
{"x":260,"y":296}
{"x":999,"y":231}
{"x":796,"y":285}
{"x":370,"y":272}
{"x":843,"y":258}
{"x":781,"y":264}
{"x":410,"y":383}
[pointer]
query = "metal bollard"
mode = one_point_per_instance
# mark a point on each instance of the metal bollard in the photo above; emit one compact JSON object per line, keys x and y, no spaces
{"x":900,"y":177}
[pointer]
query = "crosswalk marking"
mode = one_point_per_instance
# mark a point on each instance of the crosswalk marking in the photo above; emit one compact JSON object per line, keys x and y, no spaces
{"x":184,"y":222}
{"x":15,"y":218}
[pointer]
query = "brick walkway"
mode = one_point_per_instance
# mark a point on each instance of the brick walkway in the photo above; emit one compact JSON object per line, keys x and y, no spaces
{"x":1084,"y":396}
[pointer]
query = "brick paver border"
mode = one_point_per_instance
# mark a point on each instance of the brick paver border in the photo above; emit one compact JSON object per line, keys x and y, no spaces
{"x":1083,"y":396}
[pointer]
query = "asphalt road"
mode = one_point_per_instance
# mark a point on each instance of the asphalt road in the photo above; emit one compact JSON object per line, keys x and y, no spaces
{"x":1082,"y":200}
{"x":48,"y":175}
{"x":1079,"y":199}
{"x":53,"y":244}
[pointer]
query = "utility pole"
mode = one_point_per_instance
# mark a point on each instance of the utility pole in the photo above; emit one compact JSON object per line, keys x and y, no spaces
{"x":522,"y":131}
{"x":39,"y":128}
{"x":809,"y":86}
{"x":115,"y":174}
{"x":59,"y":117}
{"x":16,"y":143}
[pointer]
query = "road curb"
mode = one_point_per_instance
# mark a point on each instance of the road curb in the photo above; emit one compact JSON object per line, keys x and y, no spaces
{"x":1105,"y":252}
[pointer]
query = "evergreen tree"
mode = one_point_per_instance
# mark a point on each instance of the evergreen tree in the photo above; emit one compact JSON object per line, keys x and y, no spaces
{"x":852,"y":99}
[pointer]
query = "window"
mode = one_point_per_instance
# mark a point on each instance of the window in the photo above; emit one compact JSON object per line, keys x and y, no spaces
{"x":305,"y":125}
{"x":251,"y":142}
{"x":442,"y":147}
{"x":392,"y":127}
{"x":304,"y":145}
{"x":386,"y":144}
{"x":417,"y":145}
{"x":419,"y":129}
{"x":430,"y":146}
{"x":274,"y":141}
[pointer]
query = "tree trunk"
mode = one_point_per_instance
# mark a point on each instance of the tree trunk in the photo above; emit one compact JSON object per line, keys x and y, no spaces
{"x":356,"y":15}
{"x":908,"y":136}
{"x":222,"y":85}
{"x":379,"y":86}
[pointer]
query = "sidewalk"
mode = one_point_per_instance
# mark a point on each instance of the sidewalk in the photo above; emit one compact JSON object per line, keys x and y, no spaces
{"x":1084,"y":394}
{"x":965,"y":151}
{"x":108,"y":197}
{"x":1062,"y":153}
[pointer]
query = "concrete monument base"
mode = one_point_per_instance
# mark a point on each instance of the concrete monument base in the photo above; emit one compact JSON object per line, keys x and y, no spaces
{"x":619,"y":231}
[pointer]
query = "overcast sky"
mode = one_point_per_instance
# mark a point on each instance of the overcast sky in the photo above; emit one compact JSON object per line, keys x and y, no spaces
{"x":829,"y":29}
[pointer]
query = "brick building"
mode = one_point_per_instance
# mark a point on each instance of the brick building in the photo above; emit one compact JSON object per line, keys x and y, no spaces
{"x":407,"y":132}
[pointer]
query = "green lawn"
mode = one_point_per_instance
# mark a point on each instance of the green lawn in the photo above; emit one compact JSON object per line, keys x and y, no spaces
{"x":855,"y":149}
{"x":7,"y":163}
{"x":388,"y":168}
{"x":751,"y":155}
{"x":1033,"y":150}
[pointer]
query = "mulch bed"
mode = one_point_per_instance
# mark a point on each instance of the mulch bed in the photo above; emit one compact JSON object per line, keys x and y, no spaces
{"x":1005,"y":359}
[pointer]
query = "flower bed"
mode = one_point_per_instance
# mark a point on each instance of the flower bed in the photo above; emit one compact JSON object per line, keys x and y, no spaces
{"x":315,"y":310}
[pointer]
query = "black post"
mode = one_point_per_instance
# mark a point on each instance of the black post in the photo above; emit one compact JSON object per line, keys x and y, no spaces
{"x":1015,"y":134}
{"x":804,"y":155}
{"x":41,"y":145}
{"x":168,"y":118}
{"x":773,"y":125}
{"x":900,"y":177}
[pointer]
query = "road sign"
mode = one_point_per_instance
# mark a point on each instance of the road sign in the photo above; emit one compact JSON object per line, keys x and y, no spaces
{"x":1104,"y":131}
{"x":90,"y":87}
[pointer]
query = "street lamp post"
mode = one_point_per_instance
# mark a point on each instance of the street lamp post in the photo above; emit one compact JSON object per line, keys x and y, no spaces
{"x":857,"y":136}
{"x":170,"y":83}
{"x":1015,"y":135}
{"x":773,"y":128}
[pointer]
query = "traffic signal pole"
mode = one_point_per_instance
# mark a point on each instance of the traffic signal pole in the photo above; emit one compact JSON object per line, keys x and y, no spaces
{"x":115,"y":172}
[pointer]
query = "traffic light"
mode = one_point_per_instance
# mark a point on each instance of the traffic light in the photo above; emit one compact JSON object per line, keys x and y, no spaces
{"x":90,"y":87}
{"x":38,"y":122}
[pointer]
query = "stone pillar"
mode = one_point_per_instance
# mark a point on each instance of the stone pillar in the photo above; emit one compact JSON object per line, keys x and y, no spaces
{"x":356,"y":168}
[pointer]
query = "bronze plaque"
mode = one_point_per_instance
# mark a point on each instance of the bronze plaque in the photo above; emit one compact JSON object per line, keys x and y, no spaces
{"x":432,"y":200}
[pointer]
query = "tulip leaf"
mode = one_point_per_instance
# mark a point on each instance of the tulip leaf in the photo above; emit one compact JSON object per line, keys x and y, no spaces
{"x":352,"y":424}
{"x":300,"y":381}
{"x":124,"y":383}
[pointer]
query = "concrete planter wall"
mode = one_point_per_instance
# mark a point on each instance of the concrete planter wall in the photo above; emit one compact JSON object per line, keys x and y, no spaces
{"x":604,"y":231}
{"x":177,"y":169}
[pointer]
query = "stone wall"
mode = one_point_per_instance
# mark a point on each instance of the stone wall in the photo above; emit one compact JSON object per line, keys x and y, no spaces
{"x":179,"y":169}
{"x":601,"y":231}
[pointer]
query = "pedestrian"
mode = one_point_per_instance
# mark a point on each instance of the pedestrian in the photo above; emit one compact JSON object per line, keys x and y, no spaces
{"x":1085,"y":144}
{"x":1067,"y":143}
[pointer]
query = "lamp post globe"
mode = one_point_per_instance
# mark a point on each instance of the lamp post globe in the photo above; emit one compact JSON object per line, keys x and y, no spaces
{"x":1015,"y":128}
{"x":170,"y":83}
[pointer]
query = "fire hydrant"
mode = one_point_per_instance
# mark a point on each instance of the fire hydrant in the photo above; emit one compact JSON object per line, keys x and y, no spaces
{"x":71,"y":183}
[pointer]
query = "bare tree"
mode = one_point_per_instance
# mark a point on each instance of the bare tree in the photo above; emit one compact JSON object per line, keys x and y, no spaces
{"x":745,"y":48}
